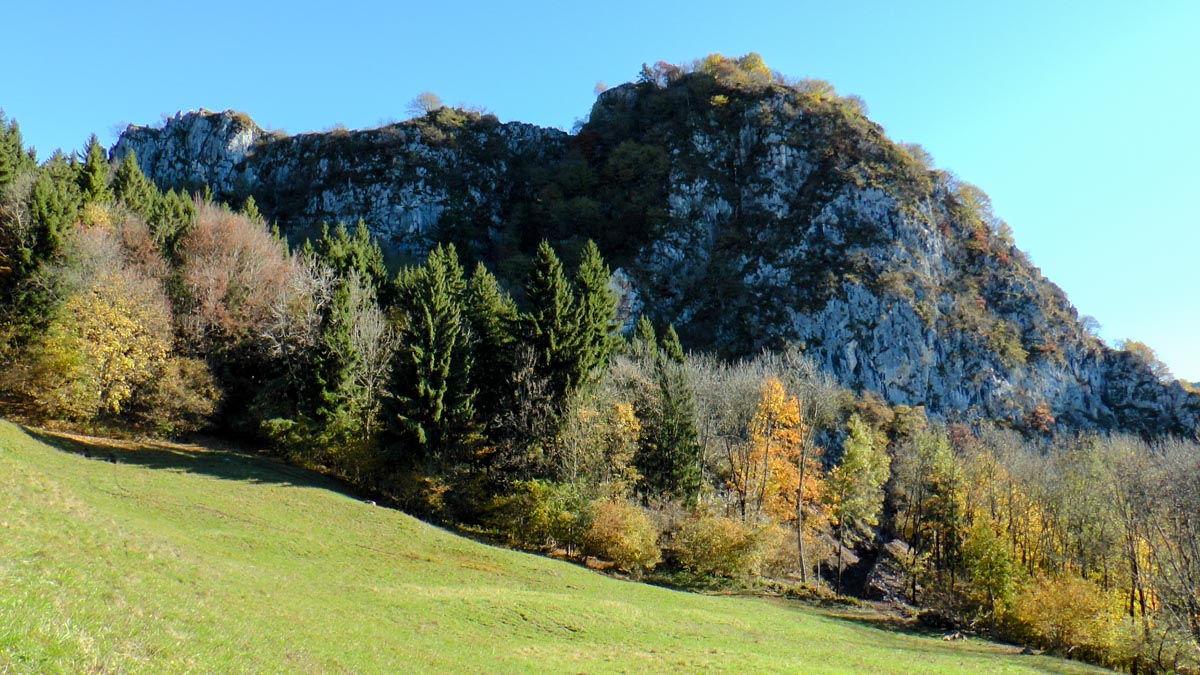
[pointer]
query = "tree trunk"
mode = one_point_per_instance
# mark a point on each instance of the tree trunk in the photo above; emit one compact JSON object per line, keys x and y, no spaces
{"x":841,"y":527}
{"x":800,"y":516}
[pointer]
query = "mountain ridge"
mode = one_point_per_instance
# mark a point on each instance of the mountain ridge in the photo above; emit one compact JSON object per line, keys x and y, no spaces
{"x":749,"y":212}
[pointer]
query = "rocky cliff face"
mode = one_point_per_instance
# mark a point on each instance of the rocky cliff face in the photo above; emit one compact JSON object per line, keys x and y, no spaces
{"x":403,"y":180}
{"x":748,"y":217}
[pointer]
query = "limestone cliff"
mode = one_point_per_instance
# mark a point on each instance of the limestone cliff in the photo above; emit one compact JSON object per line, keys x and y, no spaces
{"x":749,"y":216}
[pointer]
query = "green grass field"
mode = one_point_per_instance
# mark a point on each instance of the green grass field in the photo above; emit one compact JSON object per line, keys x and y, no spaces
{"x":179,"y":558}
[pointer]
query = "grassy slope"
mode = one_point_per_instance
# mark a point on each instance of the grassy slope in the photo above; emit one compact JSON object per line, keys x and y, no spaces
{"x":180,"y":558}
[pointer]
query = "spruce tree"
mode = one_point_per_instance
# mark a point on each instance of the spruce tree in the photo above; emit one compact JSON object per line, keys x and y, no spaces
{"x":54,"y":205}
{"x":492,"y":317}
{"x":93,"y":175}
{"x":671,"y":346}
{"x":358,"y":252}
{"x":669,"y":455}
{"x":131,"y":188}
{"x":433,"y":400}
{"x":173,"y":217}
{"x":14,"y":160}
{"x":596,"y":315}
{"x":676,"y":433}
{"x":550,"y":326}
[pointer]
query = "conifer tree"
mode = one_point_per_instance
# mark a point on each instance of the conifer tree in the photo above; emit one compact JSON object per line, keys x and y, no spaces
{"x":596,"y":315}
{"x":250,"y":210}
{"x":433,"y":401}
{"x":93,"y":175}
{"x":357,"y":252}
{"x":54,"y":204}
{"x":669,"y":457}
{"x":492,"y":317}
{"x":644,"y":342}
{"x":131,"y":188}
{"x":671,"y":347}
{"x":173,"y":217}
{"x":677,"y":432}
{"x":550,"y":326}
{"x":335,"y":361}
{"x":14,"y":160}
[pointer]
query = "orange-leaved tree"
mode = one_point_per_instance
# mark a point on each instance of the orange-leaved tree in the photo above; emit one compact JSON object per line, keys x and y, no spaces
{"x":772,"y":475}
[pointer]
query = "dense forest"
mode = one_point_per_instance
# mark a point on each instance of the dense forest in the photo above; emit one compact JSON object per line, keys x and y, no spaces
{"x":528,"y":413}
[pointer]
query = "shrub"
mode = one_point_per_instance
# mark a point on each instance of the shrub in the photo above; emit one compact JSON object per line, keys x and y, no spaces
{"x":540,"y":514}
{"x":1068,"y":615}
{"x":623,"y":533}
{"x":716,"y":546}
{"x":181,"y":400}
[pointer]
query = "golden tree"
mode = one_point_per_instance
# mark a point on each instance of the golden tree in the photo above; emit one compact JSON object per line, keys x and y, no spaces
{"x":110,"y":338}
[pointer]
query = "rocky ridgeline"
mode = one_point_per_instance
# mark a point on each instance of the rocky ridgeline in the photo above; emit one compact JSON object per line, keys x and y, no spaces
{"x":397,"y":179}
{"x":789,"y":218}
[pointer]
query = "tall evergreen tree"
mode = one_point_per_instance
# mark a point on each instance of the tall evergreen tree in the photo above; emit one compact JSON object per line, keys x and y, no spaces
{"x":131,"y":188}
{"x":93,"y":175}
{"x":596,"y":315}
{"x":433,"y":399}
{"x":173,"y":217}
{"x":54,"y":205}
{"x":358,"y":252}
{"x":492,"y":317}
{"x":14,"y":160}
{"x":335,"y":361}
{"x":669,"y":457}
{"x":644,"y":341}
{"x":550,"y":326}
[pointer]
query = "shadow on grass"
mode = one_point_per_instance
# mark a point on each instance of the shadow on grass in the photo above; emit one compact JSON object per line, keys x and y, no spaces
{"x":214,"y":459}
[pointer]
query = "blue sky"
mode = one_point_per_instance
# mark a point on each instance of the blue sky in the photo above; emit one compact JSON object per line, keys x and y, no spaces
{"x":1078,"y":118}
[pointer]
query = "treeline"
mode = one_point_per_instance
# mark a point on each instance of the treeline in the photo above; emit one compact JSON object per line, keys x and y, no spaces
{"x":541,"y":423}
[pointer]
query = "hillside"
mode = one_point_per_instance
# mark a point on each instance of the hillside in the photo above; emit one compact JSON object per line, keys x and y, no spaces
{"x":748,"y":211}
{"x":124,"y":557}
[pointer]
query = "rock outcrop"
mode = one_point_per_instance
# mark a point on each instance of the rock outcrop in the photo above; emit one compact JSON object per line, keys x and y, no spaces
{"x":748,"y":217}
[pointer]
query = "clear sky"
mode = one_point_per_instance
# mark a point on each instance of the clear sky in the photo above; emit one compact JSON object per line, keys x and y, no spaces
{"x":1078,"y":118}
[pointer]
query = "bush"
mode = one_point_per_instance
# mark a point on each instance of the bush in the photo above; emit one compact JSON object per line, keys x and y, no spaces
{"x":1070,"y":616}
{"x":539,"y":514}
{"x":716,"y":546}
{"x":623,"y":533}
{"x":181,"y":400}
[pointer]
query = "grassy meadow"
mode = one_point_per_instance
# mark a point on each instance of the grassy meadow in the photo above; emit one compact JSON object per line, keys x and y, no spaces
{"x":125,"y":557}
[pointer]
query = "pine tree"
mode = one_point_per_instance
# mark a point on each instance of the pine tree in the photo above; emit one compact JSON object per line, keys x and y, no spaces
{"x":131,"y":188}
{"x":93,"y":176}
{"x":550,"y":326}
{"x":433,"y":401}
{"x":596,"y":315}
{"x":677,"y":432}
{"x":492,"y":317}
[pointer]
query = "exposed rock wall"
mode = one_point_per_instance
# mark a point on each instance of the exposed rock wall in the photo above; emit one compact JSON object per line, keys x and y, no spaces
{"x":791,"y":218}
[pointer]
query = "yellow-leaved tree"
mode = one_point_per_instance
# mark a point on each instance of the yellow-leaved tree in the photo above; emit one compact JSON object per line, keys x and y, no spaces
{"x":108,"y":347}
{"x":110,"y":337}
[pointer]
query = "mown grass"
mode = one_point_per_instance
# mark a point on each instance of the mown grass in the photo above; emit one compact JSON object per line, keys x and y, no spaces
{"x":141,"y":557}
